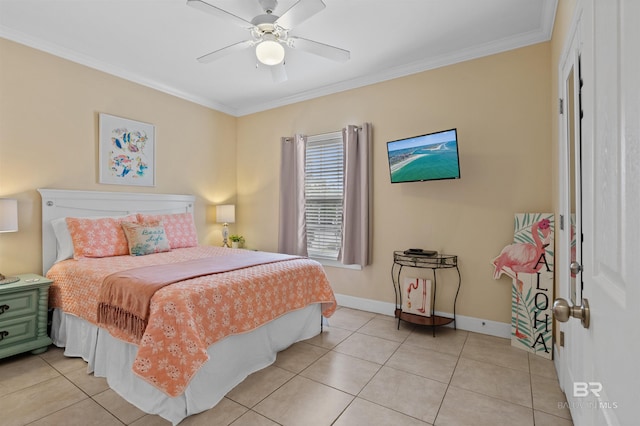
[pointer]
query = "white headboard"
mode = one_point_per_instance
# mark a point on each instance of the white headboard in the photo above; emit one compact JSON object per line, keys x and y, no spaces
{"x":58,"y":203}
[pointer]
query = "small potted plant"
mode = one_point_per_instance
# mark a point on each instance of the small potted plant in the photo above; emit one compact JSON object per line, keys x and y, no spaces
{"x":236,"y":241}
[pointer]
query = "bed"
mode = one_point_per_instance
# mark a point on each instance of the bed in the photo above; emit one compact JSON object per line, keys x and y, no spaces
{"x":216,"y":315}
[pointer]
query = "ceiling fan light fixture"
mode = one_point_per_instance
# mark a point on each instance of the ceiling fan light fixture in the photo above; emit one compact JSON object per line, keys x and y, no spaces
{"x":270,"y":52}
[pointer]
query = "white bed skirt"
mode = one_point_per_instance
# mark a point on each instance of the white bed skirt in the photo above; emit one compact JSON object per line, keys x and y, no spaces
{"x":230,"y":361}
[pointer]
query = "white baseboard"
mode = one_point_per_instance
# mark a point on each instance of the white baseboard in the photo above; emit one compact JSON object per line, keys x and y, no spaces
{"x":476,"y":325}
{"x":382,"y":308}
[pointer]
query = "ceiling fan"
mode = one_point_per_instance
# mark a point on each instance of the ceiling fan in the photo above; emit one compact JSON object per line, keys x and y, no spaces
{"x":270,"y":33}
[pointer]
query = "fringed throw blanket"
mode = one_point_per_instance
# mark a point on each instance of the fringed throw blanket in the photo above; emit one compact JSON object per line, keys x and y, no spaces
{"x":125,"y":296}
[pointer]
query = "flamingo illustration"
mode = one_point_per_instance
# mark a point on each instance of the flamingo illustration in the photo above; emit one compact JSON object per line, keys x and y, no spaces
{"x":523,"y":257}
{"x":414,"y":286}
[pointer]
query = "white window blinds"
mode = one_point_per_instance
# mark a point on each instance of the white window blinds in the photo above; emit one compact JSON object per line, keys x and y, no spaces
{"x":324,"y":192}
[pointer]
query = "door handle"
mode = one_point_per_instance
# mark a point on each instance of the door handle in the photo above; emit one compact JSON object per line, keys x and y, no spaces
{"x":575,"y":268}
{"x":562,"y":311}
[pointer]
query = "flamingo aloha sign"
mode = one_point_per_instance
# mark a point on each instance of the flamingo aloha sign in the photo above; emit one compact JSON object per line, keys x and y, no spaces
{"x":529,"y":262}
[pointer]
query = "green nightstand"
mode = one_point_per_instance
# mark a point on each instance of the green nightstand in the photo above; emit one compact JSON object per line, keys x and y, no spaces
{"x":23,"y":315}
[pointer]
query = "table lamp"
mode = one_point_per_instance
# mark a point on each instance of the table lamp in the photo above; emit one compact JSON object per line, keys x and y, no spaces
{"x":225,"y":214}
{"x":8,"y":223}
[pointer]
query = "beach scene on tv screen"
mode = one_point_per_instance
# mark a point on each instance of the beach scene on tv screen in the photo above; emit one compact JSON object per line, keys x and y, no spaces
{"x":427,"y":157}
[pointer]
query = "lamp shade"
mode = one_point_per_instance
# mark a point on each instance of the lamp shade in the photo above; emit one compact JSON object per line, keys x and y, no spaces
{"x":270,"y":52}
{"x":226,"y":213}
{"x":8,"y":215}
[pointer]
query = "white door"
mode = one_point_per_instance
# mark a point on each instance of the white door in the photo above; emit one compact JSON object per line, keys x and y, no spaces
{"x":599,"y":366}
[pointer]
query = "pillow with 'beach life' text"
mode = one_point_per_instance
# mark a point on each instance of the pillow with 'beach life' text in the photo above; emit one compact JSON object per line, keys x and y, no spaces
{"x":146,"y":238}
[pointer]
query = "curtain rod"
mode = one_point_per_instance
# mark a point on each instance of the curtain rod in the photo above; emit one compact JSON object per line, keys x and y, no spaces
{"x":289,"y":139}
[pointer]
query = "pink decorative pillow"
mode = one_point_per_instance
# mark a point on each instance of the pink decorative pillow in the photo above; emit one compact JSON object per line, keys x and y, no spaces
{"x":145,"y":238}
{"x":101,"y":237}
{"x":180,"y":228}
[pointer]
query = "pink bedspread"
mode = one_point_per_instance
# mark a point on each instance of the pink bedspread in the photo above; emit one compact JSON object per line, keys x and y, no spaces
{"x":189,"y":316}
{"x":125,"y":296}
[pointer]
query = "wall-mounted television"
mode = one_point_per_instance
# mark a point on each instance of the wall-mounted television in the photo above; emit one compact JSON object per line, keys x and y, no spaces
{"x":432,"y":156}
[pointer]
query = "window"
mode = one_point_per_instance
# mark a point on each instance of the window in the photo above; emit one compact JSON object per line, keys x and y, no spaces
{"x":321,"y":177}
{"x":324,"y":192}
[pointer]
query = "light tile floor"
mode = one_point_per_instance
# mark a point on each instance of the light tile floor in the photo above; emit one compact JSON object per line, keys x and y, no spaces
{"x":360,"y":371}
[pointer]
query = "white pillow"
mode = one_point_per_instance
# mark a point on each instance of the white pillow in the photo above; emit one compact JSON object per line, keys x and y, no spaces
{"x":64,"y":245}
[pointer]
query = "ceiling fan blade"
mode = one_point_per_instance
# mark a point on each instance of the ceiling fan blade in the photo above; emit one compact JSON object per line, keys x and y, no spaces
{"x":299,"y":12}
{"x":210,"y":57}
{"x":279,"y":73}
{"x":216,"y":11}
{"x":320,"y":49}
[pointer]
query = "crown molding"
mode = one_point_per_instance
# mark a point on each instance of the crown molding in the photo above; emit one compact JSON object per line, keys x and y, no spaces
{"x":500,"y":46}
{"x":540,"y":35}
{"x":61,"y":52}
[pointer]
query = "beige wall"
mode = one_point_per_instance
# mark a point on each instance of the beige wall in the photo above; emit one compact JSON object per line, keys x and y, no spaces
{"x":48,"y":138}
{"x":500,"y":106}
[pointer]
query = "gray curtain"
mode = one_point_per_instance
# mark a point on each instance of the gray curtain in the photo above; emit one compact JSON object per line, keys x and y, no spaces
{"x":358,"y":196}
{"x":292,"y":233}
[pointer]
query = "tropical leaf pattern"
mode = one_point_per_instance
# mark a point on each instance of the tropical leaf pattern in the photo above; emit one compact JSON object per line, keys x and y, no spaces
{"x":521,"y":315}
{"x":522,"y":231}
{"x":525,"y":330}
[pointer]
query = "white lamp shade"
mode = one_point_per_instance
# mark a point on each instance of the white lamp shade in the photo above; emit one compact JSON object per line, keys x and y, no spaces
{"x":226,"y":213}
{"x":8,"y":215}
{"x":270,"y":52}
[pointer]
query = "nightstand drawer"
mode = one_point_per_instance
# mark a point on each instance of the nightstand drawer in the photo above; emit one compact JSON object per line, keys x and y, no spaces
{"x":17,"y":330}
{"x":14,"y":305}
{"x":23,"y":315}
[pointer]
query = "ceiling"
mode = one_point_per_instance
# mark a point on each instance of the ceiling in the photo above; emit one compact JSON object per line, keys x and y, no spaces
{"x":156,"y":42}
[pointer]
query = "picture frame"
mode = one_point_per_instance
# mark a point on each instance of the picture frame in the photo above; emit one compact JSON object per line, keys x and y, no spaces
{"x":127,"y":151}
{"x":418,"y":296}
